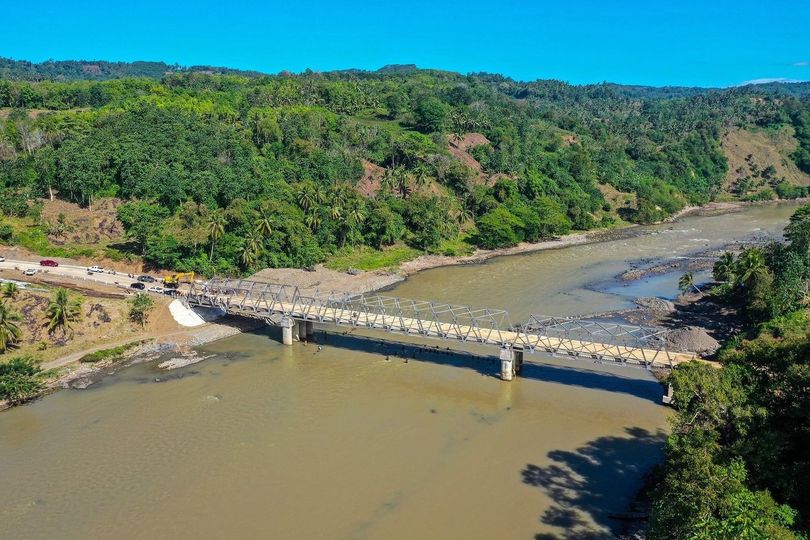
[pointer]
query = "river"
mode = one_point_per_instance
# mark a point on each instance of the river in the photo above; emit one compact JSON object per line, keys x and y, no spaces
{"x":262,"y":440}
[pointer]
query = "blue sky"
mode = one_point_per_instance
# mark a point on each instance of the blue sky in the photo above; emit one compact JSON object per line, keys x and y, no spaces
{"x":655,"y":42}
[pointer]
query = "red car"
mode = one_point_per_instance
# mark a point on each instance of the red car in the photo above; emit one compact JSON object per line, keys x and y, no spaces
{"x":48,"y":262}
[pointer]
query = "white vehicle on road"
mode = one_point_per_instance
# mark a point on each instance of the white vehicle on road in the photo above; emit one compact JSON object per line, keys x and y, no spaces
{"x":30,"y":271}
{"x":156,"y":289}
{"x":95,"y":268}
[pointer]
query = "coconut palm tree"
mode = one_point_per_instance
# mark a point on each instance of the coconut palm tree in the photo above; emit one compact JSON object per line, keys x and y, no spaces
{"x":306,"y":196}
{"x":247,"y":255}
{"x":251,"y":249}
{"x":402,"y":181}
{"x":687,"y":282}
{"x":264,"y":225}
{"x":62,"y":310}
{"x":216,"y":228}
{"x":356,"y":216}
{"x":420,"y":176}
{"x":313,"y":221}
{"x":749,"y":264}
{"x":10,"y":332}
{"x":387,"y":181}
{"x":318,"y":194}
{"x":724,"y":268}
{"x":10,"y":290}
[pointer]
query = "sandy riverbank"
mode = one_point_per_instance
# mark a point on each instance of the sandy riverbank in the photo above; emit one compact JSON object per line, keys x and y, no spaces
{"x":325,"y":280}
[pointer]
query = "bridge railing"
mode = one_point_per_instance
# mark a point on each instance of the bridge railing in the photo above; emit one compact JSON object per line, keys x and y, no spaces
{"x":597,"y":339}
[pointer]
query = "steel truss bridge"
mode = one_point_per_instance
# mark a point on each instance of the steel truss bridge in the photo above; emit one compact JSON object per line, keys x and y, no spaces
{"x":594,"y":339}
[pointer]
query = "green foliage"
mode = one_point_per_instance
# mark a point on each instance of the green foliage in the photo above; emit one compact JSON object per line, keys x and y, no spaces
{"x":113,"y":353}
{"x":430,"y":114}
{"x":10,"y":332}
{"x":10,"y":290}
{"x":21,"y":379}
{"x":687,"y":282}
{"x":63,"y":310}
{"x":382,"y":227}
{"x":499,"y":228}
{"x":139,"y":307}
{"x":365,"y":258}
{"x":737,"y":464}
{"x":424,"y":217}
{"x":203,"y":160}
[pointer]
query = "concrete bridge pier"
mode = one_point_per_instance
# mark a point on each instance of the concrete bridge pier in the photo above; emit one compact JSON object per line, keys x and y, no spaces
{"x":511,"y":363}
{"x":289,"y":331}
{"x":669,"y":397}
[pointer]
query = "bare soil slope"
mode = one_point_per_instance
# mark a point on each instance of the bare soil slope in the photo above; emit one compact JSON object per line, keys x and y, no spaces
{"x":766,"y":148}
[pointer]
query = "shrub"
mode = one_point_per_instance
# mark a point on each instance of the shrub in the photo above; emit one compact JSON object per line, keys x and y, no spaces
{"x":21,"y":379}
{"x":499,"y":228}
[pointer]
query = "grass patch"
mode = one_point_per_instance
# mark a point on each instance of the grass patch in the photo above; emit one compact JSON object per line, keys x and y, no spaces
{"x":34,"y":239}
{"x":367,"y":258}
{"x":109,"y":354}
{"x":456,"y":247}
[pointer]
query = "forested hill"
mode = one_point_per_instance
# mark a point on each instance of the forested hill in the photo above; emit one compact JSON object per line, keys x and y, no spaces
{"x":229,"y":173}
{"x":100,"y":70}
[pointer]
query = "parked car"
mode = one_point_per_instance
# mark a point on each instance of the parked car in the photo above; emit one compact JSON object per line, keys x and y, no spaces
{"x":146,"y":279}
{"x":156,"y":289}
{"x":2,"y":259}
{"x":95,"y":268}
{"x":137,"y":285}
{"x":48,"y":262}
{"x":30,"y":271}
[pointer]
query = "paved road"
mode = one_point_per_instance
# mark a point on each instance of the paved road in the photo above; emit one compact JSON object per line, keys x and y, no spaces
{"x":67,"y":270}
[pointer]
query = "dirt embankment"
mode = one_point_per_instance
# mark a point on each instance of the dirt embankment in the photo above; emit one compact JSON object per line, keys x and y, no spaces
{"x":750,"y":152}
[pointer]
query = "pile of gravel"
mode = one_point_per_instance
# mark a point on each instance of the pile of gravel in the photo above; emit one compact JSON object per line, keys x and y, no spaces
{"x":692,"y":339}
{"x":657,"y":307}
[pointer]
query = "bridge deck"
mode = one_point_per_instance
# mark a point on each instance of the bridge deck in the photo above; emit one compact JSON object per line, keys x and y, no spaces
{"x":410,"y":317}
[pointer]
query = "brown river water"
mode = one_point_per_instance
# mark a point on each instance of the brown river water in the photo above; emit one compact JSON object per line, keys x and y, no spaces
{"x":262,"y":440}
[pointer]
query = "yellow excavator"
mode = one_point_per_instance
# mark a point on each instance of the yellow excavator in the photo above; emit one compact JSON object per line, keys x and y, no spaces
{"x":173,"y":281}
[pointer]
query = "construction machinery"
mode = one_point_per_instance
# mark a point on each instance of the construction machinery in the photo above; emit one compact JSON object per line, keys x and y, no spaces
{"x":173,"y":281}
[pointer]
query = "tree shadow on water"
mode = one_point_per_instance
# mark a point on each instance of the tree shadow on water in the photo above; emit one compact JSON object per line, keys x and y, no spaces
{"x":587,"y":484}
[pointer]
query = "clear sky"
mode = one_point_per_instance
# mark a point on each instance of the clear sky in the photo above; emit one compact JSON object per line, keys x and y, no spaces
{"x":655,"y":42}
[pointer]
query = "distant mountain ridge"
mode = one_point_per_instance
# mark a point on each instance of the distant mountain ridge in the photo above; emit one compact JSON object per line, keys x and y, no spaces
{"x":98,"y":70}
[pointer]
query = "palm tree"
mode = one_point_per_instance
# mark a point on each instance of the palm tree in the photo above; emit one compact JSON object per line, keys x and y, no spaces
{"x":10,"y":290}
{"x":749,"y":264}
{"x":402,"y":181}
{"x":216,"y":228}
{"x":313,"y":221}
{"x":62,"y":311}
{"x":339,"y":200}
{"x":318,"y":194}
{"x":387,"y":180}
{"x":264,"y":225}
{"x":356,"y":216}
{"x":687,"y":282}
{"x":10,"y":332}
{"x":306,"y":196}
{"x":724,"y":268}
{"x":420,"y":177}
{"x":251,"y":249}
{"x":247,"y":256}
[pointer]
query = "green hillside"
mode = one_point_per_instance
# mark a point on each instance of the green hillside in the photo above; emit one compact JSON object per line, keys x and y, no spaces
{"x":230,"y":173}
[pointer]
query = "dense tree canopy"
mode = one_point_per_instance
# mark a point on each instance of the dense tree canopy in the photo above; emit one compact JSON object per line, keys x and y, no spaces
{"x":278,"y":161}
{"x":737,"y":461}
